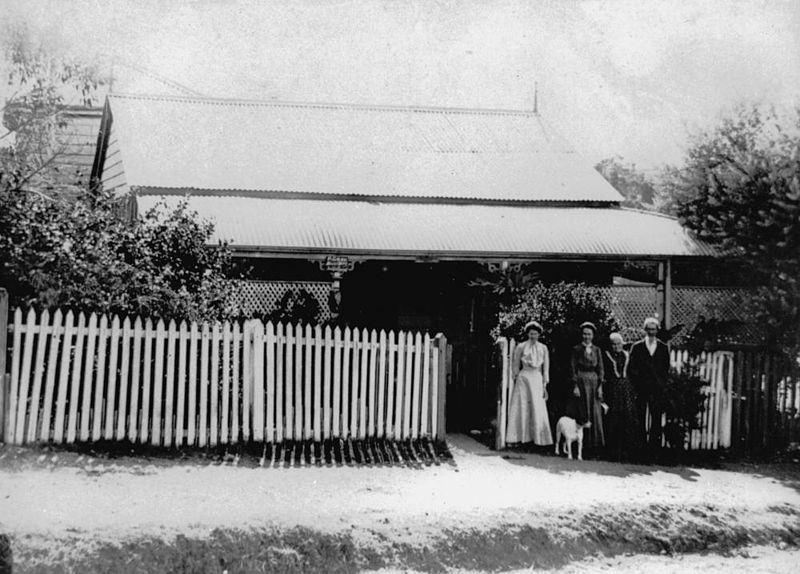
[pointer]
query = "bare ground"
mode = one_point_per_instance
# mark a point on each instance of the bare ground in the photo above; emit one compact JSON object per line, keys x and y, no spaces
{"x":482,"y":511}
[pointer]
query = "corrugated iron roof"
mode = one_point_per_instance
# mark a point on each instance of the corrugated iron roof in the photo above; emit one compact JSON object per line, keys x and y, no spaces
{"x":349,"y":150}
{"x":439,"y":230}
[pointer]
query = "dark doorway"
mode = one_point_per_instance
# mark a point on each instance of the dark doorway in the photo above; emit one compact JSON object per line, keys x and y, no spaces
{"x":433,"y":297}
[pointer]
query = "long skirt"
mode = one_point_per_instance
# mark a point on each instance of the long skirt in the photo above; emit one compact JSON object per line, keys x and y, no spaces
{"x":624,"y":426}
{"x":527,"y":411}
{"x":586,"y":407}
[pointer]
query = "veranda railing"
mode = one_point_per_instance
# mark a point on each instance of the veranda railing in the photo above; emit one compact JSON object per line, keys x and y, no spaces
{"x":90,"y":378}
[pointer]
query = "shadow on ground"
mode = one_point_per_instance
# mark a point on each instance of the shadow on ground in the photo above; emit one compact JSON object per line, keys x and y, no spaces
{"x":781,"y":466}
{"x":98,"y":457}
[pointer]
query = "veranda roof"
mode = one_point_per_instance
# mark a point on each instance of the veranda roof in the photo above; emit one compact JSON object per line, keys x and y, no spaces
{"x":258,"y":225}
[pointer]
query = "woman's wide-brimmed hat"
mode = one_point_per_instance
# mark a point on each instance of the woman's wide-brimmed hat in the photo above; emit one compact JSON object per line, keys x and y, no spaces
{"x":533,"y":325}
{"x":588,"y":325}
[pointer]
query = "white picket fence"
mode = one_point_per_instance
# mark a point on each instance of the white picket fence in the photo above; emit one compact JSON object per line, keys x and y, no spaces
{"x":715,"y":368}
{"x":77,"y":379}
{"x":716,"y":419}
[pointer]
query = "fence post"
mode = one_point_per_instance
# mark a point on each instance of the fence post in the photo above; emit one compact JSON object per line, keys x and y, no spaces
{"x":500,"y":418}
{"x":441,"y":394}
{"x":3,"y":353}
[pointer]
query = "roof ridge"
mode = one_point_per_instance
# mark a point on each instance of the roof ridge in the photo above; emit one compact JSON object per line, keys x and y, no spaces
{"x":320,"y":105}
{"x":369,"y":198}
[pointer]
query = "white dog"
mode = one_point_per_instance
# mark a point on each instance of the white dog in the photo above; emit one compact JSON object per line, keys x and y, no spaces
{"x":571,"y":431}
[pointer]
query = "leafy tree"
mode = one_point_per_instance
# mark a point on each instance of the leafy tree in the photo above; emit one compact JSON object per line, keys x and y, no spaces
{"x":80,"y":254}
{"x":739,"y":190}
{"x":42,"y":87}
{"x":637,"y":189}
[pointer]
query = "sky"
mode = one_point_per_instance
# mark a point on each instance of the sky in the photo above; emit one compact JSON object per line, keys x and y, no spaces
{"x":616,"y":78}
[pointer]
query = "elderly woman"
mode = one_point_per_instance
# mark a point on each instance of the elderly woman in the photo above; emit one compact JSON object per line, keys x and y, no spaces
{"x":527,"y":412}
{"x":587,"y":375}
{"x":623,"y":427}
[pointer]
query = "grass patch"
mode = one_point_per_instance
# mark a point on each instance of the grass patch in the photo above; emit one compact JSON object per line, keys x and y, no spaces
{"x":655,"y":529}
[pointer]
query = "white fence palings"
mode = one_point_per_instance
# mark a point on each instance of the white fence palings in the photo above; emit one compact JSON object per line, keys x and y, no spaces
{"x":144,"y":415}
{"x":337,"y":383}
{"x":158,"y":384}
{"x":99,"y":389}
{"x":205,"y":350}
{"x":75,"y":381}
{"x":235,"y":403}
{"x":280,"y":352}
{"x":257,"y":388}
{"x":226,"y":383}
{"x":308,"y":347}
{"x":169,"y":391}
{"x":191,"y":420}
{"x":183,"y":347}
{"x":355,"y":367}
{"x":380,"y":405}
{"x":49,"y":385}
{"x":213,"y":419}
{"x":130,"y":365}
{"x":316,"y":422}
{"x":206,"y":384}
{"x":25,"y":376}
{"x":63,"y":377}
{"x":391,"y":350}
{"x":38,"y":375}
{"x":326,"y":383}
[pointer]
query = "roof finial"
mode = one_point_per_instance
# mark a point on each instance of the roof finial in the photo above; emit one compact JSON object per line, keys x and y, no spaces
{"x":535,"y":97}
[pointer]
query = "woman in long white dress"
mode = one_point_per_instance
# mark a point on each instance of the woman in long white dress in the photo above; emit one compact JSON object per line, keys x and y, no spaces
{"x":527,"y":413}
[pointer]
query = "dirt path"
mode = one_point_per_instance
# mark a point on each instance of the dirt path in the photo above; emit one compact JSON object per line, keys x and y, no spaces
{"x":85,"y":502}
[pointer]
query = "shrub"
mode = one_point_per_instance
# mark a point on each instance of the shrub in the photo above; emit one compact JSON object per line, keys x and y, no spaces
{"x":80,"y":254}
{"x":560,"y":308}
{"x":682,"y":400}
{"x":296,"y":307}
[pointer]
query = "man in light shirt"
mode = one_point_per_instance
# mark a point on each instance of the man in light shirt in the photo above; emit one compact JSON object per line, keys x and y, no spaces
{"x":648,"y":368}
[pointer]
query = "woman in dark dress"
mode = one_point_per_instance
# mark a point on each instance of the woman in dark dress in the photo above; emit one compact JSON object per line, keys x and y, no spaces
{"x":587,"y":374}
{"x":623,"y":427}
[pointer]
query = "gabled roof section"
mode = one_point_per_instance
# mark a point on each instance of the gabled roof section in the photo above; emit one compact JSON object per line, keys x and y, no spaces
{"x":348,"y":151}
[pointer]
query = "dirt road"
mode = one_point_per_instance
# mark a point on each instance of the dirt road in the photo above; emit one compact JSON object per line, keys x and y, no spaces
{"x":483,"y":511}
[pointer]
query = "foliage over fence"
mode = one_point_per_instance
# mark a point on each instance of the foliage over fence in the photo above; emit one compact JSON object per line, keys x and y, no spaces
{"x":79,"y":254}
{"x":740,"y":190}
{"x":681,"y":400}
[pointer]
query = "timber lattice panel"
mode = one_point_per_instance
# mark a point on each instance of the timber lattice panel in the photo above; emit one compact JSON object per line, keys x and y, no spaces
{"x":262,"y":297}
{"x":632,"y":304}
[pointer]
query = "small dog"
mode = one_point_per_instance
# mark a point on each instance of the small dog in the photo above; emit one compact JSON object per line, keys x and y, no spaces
{"x":571,"y":431}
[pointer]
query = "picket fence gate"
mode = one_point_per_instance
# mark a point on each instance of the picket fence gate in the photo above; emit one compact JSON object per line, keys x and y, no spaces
{"x":715,"y":420}
{"x":79,"y":379}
